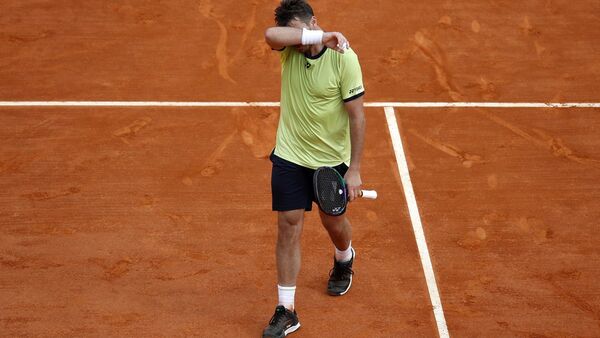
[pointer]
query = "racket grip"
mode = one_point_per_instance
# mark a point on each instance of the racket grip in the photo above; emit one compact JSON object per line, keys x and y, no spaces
{"x":369,"y":194}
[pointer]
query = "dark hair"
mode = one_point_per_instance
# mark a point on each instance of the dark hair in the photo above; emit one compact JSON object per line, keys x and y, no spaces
{"x":289,"y":10}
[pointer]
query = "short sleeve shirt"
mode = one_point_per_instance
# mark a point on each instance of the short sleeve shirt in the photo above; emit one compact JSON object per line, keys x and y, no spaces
{"x":313,"y":126}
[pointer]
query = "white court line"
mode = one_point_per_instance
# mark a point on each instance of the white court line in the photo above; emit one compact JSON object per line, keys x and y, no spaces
{"x":415,"y":218}
{"x":133,"y":104}
{"x":276,"y":104}
{"x":484,"y":104}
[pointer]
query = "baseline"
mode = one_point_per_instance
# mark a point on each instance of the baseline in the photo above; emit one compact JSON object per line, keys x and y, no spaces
{"x":276,"y":104}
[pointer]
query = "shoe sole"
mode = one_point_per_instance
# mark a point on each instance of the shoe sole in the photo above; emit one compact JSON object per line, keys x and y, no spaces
{"x":349,"y":285}
{"x":291,"y":329}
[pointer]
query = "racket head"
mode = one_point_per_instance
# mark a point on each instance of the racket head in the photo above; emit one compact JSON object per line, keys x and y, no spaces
{"x":330,"y":191}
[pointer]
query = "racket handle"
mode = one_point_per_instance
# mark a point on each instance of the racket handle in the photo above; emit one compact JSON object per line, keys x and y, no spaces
{"x":368,"y":194}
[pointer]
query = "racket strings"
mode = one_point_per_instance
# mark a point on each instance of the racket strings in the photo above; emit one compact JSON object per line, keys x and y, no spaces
{"x":331,"y":194}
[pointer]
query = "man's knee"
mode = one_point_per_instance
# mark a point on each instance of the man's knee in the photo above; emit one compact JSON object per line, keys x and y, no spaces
{"x":290,"y":225}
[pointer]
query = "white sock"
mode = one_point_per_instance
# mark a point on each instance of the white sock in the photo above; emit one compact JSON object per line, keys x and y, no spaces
{"x":345,"y":255}
{"x":286,"y":296}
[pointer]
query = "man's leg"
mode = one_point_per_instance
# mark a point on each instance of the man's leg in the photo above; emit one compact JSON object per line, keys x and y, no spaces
{"x":287,"y":251}
{"x":289,"y":231}
{"x":291,"y":188}
{"x":340,"y":232}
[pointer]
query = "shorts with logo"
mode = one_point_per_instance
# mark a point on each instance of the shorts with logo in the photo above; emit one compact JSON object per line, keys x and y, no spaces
{"x":292,"y":184}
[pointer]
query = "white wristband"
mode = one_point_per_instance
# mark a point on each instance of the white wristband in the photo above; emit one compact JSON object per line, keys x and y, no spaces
{"x":311,"y":37}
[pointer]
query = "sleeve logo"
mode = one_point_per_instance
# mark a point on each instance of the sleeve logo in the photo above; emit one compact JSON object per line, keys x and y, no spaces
{"x":355,"y":90}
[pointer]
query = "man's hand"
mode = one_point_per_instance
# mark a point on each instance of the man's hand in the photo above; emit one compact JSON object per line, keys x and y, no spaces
{"x":336,"y":41}
{"x":353,"y":183}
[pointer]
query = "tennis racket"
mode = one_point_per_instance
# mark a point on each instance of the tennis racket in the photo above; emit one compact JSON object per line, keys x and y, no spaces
{"x":331,"y":193}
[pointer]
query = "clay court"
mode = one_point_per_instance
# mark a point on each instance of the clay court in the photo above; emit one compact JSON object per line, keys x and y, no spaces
{"x":151,"y":216}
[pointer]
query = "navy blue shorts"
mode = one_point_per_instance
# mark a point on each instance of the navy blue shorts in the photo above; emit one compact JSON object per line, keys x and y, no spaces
{"x":292,"y":184}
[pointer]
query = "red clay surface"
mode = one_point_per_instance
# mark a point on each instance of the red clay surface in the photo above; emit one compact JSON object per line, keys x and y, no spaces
{"x":511,"y":218}
{"x":496,"y":50}
{"x":157,"y":222}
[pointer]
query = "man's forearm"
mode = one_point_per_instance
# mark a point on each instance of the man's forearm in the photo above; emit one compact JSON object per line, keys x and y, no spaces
{"x":279,"y":37}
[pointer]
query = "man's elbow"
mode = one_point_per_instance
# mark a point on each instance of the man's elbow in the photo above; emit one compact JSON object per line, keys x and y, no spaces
{"x":270,"y":36}
{"x":356,"y":115}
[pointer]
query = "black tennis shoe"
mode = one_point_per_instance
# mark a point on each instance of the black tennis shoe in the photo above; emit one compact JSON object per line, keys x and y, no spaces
{"x":282,"y":323}
{"x":340,"y":277}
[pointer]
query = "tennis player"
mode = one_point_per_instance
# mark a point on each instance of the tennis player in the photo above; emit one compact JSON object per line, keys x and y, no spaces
{"x":322,"y":123}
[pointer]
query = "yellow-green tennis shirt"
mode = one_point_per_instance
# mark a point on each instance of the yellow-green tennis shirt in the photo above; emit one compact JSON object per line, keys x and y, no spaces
{"x":314,"y":126}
